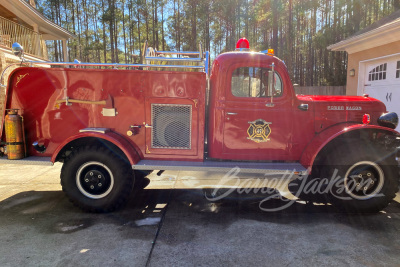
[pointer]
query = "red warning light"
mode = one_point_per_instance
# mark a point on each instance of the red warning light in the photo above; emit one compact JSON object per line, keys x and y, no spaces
{"x":366,"y":119}
{"x":243,"y":43}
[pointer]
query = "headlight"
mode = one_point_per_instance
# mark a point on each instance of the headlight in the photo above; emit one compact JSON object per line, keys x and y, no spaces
{"x":390,"y":120}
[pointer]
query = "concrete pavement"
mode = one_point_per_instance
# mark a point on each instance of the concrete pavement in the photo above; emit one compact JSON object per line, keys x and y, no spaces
{"x":179,"y":227}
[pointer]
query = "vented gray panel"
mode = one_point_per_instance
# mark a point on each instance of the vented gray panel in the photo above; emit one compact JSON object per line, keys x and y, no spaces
{"x":171,"y":126}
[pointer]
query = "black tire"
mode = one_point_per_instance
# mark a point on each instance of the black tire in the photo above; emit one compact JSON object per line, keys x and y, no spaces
{"x":96,"y":180}
{"x":361,"y":180}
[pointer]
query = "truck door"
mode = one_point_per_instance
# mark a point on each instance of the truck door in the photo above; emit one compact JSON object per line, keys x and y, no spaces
{"x":254,"y":127}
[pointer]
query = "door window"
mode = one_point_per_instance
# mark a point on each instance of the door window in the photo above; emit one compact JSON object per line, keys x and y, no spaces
{"x":398,"y":70}
{"x":253,"y":82}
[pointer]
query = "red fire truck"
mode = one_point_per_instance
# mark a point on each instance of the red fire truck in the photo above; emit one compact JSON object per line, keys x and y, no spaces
{"x":111,"y":126}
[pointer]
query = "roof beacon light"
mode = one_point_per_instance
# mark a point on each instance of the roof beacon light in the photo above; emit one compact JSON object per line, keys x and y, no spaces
{"x":271,"y":52}
{"x":243,"y":44}
{"x":366,"y":119}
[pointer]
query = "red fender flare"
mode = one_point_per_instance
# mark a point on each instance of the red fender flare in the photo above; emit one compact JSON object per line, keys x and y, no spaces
{"x":112,"y":137}
{"x":322,"y":139}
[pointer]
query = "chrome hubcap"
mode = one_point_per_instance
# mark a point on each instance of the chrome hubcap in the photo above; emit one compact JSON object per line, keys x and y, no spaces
{"x":94,"y":180}
{"x":364,"y":180}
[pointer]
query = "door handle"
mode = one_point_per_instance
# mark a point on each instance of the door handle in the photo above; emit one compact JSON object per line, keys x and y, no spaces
{"x":231,"y":113}
{"x":303,"y":107}
{"x":148,"y":126}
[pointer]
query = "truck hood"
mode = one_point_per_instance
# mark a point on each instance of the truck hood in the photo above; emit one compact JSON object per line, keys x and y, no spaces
{"x":331,"y":110}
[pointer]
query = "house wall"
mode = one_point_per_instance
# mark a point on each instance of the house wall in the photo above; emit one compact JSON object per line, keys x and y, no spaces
{"x":355,"y":58}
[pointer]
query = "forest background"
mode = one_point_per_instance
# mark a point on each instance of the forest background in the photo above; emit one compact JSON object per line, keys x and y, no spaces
{"x":298,"y":30}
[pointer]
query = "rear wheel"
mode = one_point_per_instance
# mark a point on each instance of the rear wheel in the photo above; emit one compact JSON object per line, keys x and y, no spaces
{"x":96,"y":180}
{"x":361,"y":180}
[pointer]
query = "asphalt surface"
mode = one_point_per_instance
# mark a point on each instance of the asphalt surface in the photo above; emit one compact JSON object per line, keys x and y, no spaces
{"x":180,"y":227}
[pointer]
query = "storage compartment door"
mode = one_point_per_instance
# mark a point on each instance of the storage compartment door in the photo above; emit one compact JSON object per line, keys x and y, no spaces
{"x":173,"y":127}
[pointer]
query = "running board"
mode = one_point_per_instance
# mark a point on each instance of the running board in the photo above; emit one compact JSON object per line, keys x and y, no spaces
{"x":44,"y":161}
{"x":218,"y":166}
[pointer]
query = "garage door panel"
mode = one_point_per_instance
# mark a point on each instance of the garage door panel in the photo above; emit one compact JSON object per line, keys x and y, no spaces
{"x":382,"y":81}
{"x":382,"y":72}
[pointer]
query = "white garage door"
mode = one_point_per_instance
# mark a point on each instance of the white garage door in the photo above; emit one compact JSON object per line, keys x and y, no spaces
{"x":382,"y":81}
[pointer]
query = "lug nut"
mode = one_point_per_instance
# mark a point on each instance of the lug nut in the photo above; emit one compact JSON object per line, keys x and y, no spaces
{"x":365,"y":188}
{"x":91,"y":173}
{"x":87,"y":180}
{"x":92,"y":187}
{"x":99,"y":184}
{"x":372,"y":182}
{"x":99,"y":176}
{"x":369,"y":174}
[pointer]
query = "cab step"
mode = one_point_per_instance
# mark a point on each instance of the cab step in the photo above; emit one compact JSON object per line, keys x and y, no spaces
{"x":218,"y":166}
{"x":44,"y":161}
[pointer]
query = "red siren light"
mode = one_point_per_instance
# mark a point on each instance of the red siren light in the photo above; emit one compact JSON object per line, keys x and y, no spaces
{"x":242,"y":43}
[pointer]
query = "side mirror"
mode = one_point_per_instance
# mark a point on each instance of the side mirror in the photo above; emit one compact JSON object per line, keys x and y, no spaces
{"x":270,"y":83}
{"x":17,"y":50}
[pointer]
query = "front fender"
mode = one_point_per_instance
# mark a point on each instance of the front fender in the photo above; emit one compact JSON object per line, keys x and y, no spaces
{"x":323,"y":138}
{"x":112,"y":137}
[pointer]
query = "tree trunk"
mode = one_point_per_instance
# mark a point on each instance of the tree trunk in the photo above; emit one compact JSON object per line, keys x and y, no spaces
{"x":194,"y":30}
{"x":123,"y":29}
{"x":275,"y":24}
{"x":162,"y":27}
{"x":396,"y":4}
{"x":104,"y":34}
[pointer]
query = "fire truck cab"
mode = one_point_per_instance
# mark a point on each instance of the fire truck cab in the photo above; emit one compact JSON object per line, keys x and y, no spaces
{"x":110,"y":127}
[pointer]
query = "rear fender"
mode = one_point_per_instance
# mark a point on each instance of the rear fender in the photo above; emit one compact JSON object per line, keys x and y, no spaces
{"x":127,"y":149}
{"x":322,"y":139}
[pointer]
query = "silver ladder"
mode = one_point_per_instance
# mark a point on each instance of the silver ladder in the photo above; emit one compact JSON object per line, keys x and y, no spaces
{"x":201,"y":60}
{"x":149,"y":55}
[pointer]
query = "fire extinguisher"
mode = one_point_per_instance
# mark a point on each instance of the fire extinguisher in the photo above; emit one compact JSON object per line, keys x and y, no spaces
{"x":15,"y":136}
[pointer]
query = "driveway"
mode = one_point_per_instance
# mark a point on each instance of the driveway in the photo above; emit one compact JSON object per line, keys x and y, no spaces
{"x":179,"y":227}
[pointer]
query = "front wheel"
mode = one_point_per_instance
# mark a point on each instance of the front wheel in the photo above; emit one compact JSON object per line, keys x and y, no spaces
{"x":361,"y":181}
{"x":96,"y":180}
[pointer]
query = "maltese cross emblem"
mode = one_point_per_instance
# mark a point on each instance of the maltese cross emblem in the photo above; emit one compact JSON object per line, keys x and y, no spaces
{"x":259,"y":131}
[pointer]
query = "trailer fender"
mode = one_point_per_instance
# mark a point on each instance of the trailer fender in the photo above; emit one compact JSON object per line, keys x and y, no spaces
{"x":127,"y":149}
{"x":323,"y":138}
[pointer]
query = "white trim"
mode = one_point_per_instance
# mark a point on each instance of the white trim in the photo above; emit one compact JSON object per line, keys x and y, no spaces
{"x":382,"y":35}
{"x":361,"y":78}
{"x":382,"y":57}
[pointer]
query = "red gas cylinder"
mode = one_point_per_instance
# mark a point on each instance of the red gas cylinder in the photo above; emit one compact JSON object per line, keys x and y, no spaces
{"x":14,"y":135}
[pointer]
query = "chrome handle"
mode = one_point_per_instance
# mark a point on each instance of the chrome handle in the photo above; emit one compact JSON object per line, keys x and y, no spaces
{"x":148,"y":126}
{"x":270,"y":105}
{"x":303,"y":107}
{"x":231,"y":113}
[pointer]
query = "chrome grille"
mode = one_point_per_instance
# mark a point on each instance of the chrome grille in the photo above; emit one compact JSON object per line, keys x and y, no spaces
{"x":172,"y":126}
